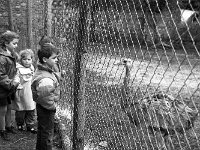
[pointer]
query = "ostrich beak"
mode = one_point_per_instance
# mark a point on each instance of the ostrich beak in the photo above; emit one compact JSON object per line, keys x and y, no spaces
{"x":118,"y":63}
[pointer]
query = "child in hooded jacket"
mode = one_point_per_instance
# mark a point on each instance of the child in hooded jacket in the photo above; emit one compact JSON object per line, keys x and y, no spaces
{"x":24,"y":104}
{"x":46,"y":92}
{"x":8,"y":57}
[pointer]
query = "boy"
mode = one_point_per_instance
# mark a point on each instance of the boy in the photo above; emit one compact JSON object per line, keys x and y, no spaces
{"x":47,"y":40}
{"x":46,"y":91}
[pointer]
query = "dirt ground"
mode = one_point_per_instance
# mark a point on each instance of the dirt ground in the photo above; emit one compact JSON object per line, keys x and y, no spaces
{"x":21,"y":141}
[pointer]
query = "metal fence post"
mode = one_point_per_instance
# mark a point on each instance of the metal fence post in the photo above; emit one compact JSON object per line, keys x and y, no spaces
{"x":79,"y":102}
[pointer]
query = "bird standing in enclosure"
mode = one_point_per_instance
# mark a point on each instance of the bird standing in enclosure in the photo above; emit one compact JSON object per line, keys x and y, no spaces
{"x":162,"y":114}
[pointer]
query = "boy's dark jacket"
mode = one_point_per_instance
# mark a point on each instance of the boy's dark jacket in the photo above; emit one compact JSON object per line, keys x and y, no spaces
{"x":7,"y":72}
{"x":45,"y":96}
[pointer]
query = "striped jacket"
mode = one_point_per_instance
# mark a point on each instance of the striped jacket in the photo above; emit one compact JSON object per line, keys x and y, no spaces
{"x":45,"y":87}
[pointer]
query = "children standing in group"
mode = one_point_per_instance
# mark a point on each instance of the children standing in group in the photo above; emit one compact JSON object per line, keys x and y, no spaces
{"x":23,"y":103}
{"x":46,"y":92}
{"x":8,"y":57}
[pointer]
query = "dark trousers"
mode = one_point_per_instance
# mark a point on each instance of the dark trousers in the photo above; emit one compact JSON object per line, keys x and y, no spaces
{"x":45,"y":131}
{"x":25,"y":117}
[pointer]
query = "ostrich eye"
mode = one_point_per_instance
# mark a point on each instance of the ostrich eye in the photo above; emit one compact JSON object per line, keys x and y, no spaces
{"x":167,"y":103}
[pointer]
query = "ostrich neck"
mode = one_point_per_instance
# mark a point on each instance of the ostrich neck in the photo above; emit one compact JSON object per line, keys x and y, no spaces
{"x":125,"y":90}
{"x":127,"y":76}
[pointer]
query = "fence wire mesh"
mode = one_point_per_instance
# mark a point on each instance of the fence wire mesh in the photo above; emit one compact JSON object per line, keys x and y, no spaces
{"x":142,"y":72}
{"x":141,"y":68}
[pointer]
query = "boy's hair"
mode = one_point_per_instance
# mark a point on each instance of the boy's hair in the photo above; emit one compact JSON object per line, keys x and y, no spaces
{"x":44,"y":40}
{"x":47,"y":50}
{"x":7,"y":37}
{"x":26,"y":52}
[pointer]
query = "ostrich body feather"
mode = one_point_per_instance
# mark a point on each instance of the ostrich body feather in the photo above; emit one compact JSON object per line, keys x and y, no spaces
{"x":162,"y":111}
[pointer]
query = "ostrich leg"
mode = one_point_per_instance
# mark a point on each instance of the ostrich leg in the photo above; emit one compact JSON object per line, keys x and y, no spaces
{"x":168,"y":143}
{"x":160,"y":141}
{"x":163,"y":141}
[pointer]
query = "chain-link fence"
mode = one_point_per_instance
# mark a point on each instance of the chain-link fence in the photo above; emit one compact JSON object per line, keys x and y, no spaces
{"x":141,"y":71}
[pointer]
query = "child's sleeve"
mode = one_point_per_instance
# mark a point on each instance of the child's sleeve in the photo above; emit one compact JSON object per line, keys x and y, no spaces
{"x":17,"y":80}
{"x":5,"y":81}
{"x":45,"y":87}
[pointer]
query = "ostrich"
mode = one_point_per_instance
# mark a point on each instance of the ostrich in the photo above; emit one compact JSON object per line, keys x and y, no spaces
{"x":163,"y":114}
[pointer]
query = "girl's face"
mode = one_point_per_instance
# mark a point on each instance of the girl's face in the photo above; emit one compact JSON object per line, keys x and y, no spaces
{"x":27,"y":61}
{"x":12,"y":45}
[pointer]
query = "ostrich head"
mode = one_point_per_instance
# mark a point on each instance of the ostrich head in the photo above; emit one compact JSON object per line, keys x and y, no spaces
{"x":126,"y":62}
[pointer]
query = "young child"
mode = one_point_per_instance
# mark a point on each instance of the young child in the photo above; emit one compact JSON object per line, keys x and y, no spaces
{"x":8,"y":57}
{"x":46,"y":91}
{"x":24,"y":104}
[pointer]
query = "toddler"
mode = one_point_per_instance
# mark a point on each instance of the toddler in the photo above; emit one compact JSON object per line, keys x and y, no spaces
{"x":24,"y":104}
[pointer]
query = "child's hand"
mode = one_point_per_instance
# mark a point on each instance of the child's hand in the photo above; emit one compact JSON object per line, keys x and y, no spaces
{"x":15,"y":83}
{"x":20,"y":87}
{"x":16,"y":79}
